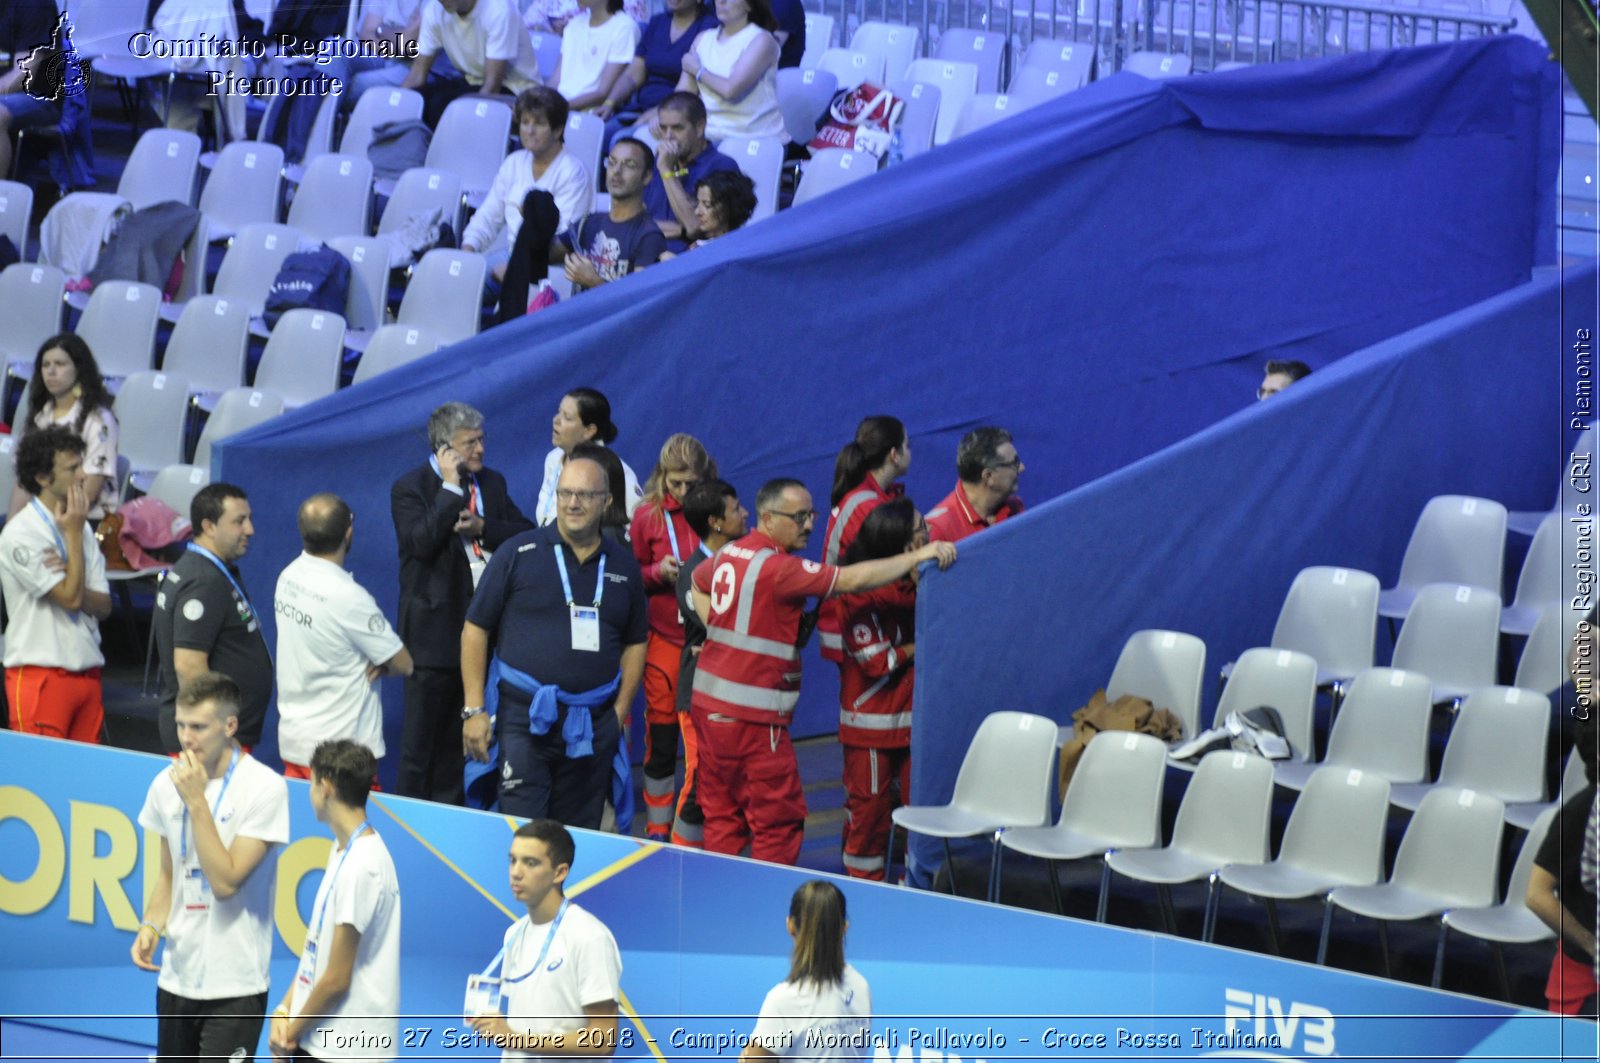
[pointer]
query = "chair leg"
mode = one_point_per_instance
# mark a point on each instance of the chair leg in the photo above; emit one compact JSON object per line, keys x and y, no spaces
{"x":1438,"y":954}
{"x":950,"y":868}
{"x":1208,"y":924}
{"x":995,"y":856}
{"x":1169,"y":918}
{"x":1500,"y":968}
{"x":1105,"y":890}
{"x":1272,"y":925}
{"x":1327,"y":925}
{"x":1383,"y":943}
{"x":1052,"y":875}
{"x":888,"y":855}
{"x":150,"y":650}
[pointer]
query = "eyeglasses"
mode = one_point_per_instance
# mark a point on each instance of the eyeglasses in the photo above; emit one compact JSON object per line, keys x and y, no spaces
{"x":471,"y":443}
{"x":565,"y":494}
{"x":613,"y":163}
{"x":803,"y":517}
{"x":1014,"y":463}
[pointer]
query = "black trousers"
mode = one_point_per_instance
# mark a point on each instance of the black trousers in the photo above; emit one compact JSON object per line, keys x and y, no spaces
{"x":208,"y":1029}
{"x":430,"y":737}
{"x":539,"y":780}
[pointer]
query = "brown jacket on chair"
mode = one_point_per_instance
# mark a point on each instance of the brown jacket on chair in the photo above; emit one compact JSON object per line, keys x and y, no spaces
{"x":1127,"y":713}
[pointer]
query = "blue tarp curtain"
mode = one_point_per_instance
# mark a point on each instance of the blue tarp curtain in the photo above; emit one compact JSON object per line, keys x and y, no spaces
{"x":1102,"y":274}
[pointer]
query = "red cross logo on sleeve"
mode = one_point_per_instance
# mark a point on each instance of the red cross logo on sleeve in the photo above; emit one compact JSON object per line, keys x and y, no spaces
{"x":722,"y":588}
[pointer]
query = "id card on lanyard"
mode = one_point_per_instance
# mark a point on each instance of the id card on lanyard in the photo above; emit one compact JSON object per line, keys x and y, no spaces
{"x":305,"y":974}
{"x":247,"y":612}
{"x":585,"y":619}
{"x":196,"y":890}
{"x":485,"y":992}
{"x":477,"y":556}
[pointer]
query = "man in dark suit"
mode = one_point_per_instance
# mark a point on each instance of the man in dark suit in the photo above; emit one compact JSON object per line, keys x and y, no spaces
{"x":450,"y":515}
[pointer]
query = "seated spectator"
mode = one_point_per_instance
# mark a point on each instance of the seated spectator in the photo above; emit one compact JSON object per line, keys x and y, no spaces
{"x":24,"y":26}
{"x":552,"y":16}
{"x":1557,"y":896}
{"x":683,"y":157}
{"x":1280,"y":374}
{"x":67,"y":390}
{"x":596,"y":47}
{"x":484,"y":40}
{"x":657,"y":65}
{"x":393,"y":25}
{"x":614,"y":520}
{"x":583,"y":416}
{"x":607,"y":247}
{"x":309,"y":23}
{"x":543,"y":163}
{"x":723,"y":202}
{"x":790,"y":16}
{"x":735,"y":71}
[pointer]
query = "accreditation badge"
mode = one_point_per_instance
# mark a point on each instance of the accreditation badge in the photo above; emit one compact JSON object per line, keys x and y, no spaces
{"x":483,"y":995}
{"x":477,"y":565}
{"x":196,"y":890}
{"x":585,"y":627}
{"x":306,"y":973}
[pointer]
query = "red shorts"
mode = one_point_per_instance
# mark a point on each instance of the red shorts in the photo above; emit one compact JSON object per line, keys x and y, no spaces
{"x":301,"y":771}
{"x":1571,"y":983}
{"x":55,"y":702}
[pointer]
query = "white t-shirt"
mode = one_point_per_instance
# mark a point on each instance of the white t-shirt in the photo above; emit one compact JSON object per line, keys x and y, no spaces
{"x":491,"y":30}
{"x":329,"y":630}
{"x":100,"y":458}
{"x":39,"y":631}
{"x":817,"y":1022}
{"x":586,"y":49}
{"x":582,"y":967}
{"x":565,"y":179}
{"x":361,"y":891}
{"x":222,"y":948}
{"x":553,"y":461}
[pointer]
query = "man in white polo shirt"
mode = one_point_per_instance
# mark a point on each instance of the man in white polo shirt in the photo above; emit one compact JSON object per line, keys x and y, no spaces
{"x":220,"y":813}
{"x":333,"y":643}
{"x":54,"y":580}
{"x":344,"y":1002}
{"x":485,"y":40}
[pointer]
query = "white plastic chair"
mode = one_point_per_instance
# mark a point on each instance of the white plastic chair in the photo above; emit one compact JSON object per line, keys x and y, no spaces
{"x":1575,"y":777}
{"x":819,"y":38}
{"x":16,"y":211}
{"x":1165,"y":668}
{"x":893,"y":43}
{"x":377,"y":106}
{"x":32,"y":296}
{"x":1279,"y":679}
{"x":1381,"y":728}
{"x":1508,"y":923}
{"x":445,"y":294}
{"x":151,"y":409}
{"x":162,"y":166}
{"x":119,"y":325}
{"x":244,"y":188}
{"x":302,"y":358}
{"x":1073,"y":61}
{"x":1224,"y":819}
{"x":761,"y":160}
{"x":334,"y":198}
{"x":831,"y":169}
{"x":176,"y":485}
{"x":982,"y":111}
{"x":918,"y":118}
{"x":1031,"y":86}
{"x":1331,"y":615}
{"x":1004,"y":781}
{"x":8,"y":465}
{"x":985,"y":50}
{"x":1539,"y":582}
{"x":472,"y":140}
{"x":249,"y":267}
{"x":957,"y":83}
{"x":366,"y":303}
{"x":1158,"y":65}
{"x":1112,"y":802}
{"x":237,"y":409}
{"x":1451,"y":635}
{"x":208,"y":347}
{"x":391,"y":347}
{"x":1568,"y":497}
{"x":851,"y":68}
{"x":802,"y":97}
{"x":1457,"y":539}
{"x":585,"y":139}
{"x":547,"y":46}
{"x":1334,"y":838}
{"x":1543,"y":664}
{"x":1449,"y":858}
{"x":419,"y":189}
{"x":1497,"y":747}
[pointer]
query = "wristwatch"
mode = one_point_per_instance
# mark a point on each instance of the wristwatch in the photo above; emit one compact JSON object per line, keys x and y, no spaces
{"x":470,"y":711}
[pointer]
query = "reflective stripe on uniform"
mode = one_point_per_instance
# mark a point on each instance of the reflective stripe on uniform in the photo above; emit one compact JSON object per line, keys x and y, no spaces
{"x":745,"y":695}
{"x":862,"y":863}
{"x":831,"y":639}
{"x":747,"y":595}
{"x":753,"y":644}
{"x":831,"y":553}
{"x":866,"y":721}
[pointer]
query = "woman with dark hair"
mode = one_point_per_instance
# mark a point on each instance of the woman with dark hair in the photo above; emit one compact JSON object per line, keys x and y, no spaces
{"x":596,"y":47}
{"x":724,"y":201}
{"x":540,"y":117}
{"x":875,"y":679}
{"x":823,"y":993}
{"x":66,"y":389}
{"x":614,"y":521}
{"x":735,"y":70}
{"x":584,"y":416}
{"x":864,"y":476}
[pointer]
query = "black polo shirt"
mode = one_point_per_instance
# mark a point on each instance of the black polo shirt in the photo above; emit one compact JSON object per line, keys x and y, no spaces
{"x":1560,"y":856}
{"x":519,"y":601}
{"x":198,"y":609}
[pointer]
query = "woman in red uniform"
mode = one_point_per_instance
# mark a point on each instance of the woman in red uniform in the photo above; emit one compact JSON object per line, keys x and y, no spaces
{"x":864,"y":476}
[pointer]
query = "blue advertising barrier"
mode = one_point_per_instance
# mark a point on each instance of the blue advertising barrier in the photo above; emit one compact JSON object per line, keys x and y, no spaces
{"x":702,"y":939}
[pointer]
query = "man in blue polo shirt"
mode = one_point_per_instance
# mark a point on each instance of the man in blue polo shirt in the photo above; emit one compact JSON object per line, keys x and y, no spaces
{"x":564,"y":610}
{"x":683,"y":157}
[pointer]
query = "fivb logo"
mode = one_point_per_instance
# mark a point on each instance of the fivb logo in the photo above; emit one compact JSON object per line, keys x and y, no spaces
{"x":1260,"y":1016}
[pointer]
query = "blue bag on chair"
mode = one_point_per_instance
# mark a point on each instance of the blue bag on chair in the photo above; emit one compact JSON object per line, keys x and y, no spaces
{"x":313,"y":280}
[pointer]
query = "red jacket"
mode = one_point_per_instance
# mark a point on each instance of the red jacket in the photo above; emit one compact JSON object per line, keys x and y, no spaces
{"x":844,"y":524}
{"x":651,"y":545}
{"x":875,"y":677}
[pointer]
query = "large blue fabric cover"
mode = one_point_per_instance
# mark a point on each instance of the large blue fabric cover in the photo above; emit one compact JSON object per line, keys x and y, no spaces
{"x":1102,"y":274}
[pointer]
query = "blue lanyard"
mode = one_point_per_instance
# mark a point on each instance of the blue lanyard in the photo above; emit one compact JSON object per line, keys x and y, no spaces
{"x":549,"y":936}
{"x":704,"y":549}
{"x":672,"y":533}
{"x":222,"y":568}
{"x":566,"y":585}
{"x":183,"y":834}
{"x":55,"y":533}
{"x":327,"y":894}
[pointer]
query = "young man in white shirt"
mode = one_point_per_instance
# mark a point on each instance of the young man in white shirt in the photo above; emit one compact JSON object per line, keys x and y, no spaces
{"x":559,"y":971}
{"x":485,"y":40}
{"x":54,"y":580}
{"x":344,"y":1001}
{"x":220,"y":813}
{"x":333,"y":643}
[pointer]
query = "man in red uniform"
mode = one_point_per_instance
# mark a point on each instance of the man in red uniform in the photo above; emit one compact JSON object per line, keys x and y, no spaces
{"x":987,"y":463}
{"x":864,"y":476}
{"x":751,"y":596}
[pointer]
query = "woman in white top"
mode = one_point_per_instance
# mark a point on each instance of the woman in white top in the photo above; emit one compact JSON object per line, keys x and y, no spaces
{"x":543,"y":163}
{"x":584,"y":416}
{"x":823,"y":1010}
{"x":735,"y":71}
{"x":66,"y":389}
{"x":596,"y":47}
